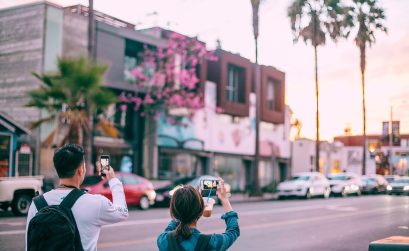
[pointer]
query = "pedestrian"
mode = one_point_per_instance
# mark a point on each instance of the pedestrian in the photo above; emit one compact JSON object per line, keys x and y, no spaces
{"x":68,"y":218}
{"x":186,"y":208}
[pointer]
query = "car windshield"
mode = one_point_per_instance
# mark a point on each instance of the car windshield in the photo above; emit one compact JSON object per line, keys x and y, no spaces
{"x":91,"y":180}
{"x":402,"y":181}
{"x":390,"y":179}
{"x":300,"y":177}
{"x":338,"y":177}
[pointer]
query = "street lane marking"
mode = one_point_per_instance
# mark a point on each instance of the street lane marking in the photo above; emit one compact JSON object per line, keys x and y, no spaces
{"x":403,"y":227}
{"x":13,"y":223}
{"x":12,"y":232}
{"x":341,"y":208}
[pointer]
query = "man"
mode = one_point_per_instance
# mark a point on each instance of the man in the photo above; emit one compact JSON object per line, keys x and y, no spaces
{"x":90,"y":211}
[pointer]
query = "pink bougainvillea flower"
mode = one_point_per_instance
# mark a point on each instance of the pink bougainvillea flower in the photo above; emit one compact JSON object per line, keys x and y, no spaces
{"x":148,"y":100}
{"x":123,"y":107}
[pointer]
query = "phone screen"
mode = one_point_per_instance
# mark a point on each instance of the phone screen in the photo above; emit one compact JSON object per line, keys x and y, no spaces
{"x":104,"y":161}
{"x":210,"y":184}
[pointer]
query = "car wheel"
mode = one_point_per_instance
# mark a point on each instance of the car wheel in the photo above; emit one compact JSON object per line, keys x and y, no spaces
{"x":281,"y":197}
{"x":21,"y":204}
{"x":308,"y":194}
{"x":327,"y":193}
{"x":344,"y":193}
{"x":144,"y":203}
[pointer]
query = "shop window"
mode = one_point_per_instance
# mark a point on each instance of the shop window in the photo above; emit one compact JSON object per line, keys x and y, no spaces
{"x":271,"y":95}
{"x":235,"y":86}
{"x":232,"y":171}
{"x":131,"y":59}
{"x":4,"y":155}
{"x":176,"y":166}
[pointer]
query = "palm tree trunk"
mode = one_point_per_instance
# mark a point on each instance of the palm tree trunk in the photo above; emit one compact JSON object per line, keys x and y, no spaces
{"x":256,"y":191}
{"x":317,"y":117}
{"x":256,"y":184}
{"x":363,"y":64}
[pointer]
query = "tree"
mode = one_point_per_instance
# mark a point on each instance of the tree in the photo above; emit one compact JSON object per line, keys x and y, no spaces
{"x":70,"y":97}
{"x":314,"y":21}
{"x":255,"y":4}
{"x":165,"y":81}
{"x":367,"y":18}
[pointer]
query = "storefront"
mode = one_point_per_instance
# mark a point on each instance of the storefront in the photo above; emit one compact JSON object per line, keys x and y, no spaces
{"x":15,"y":154}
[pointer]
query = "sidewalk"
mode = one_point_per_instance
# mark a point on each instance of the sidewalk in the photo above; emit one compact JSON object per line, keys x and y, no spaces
{"x":244,"y":197}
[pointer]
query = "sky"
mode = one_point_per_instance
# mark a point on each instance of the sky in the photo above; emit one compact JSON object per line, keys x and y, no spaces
{"x":387,"y":74}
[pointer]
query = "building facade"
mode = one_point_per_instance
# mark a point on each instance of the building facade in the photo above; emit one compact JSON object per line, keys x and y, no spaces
{"x":219,"y":140}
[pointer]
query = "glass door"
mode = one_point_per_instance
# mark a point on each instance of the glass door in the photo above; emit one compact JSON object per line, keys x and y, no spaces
{"x":5,"y":141}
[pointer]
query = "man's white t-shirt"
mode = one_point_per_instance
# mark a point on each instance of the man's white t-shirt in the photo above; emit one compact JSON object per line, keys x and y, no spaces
{"x":91,"y":211}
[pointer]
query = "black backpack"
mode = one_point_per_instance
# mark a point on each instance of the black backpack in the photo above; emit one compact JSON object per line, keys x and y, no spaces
{"x":53,"y":228}
{"x":202,"y":242}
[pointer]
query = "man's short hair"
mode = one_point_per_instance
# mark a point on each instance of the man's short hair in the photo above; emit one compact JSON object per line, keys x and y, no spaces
{"x":67,"y":159}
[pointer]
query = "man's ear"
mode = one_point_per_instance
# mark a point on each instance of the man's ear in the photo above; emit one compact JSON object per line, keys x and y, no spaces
{"x":80,"y":169}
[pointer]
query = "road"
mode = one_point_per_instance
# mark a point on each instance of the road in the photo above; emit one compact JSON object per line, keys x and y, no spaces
{"x":340,"y":224}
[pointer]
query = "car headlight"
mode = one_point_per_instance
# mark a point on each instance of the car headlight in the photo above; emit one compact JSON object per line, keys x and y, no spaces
{"x":389,"y":188}
{"x":406,"y":188}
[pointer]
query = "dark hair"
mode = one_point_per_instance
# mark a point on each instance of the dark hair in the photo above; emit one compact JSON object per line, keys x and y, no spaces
{"x":186,"y":206}
{"x":67,"y":159}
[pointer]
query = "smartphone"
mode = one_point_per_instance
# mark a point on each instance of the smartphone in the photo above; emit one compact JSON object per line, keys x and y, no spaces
{"x":208,"y":187}
{"x":104,"y":160}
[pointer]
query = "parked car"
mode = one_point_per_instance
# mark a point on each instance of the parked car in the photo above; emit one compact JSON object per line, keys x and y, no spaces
{"x":305,"y":185}
{"x":164,"y":194}
{"x":138,"y":190}
{"x":399,"y":186}
{"x":374,"y":184}
{"x":391,"y":178}
{"x":345,"y":184}
{"x":18,"y":192}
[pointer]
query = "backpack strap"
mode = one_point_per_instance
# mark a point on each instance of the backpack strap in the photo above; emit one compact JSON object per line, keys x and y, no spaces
{"x":71,"y":198}
{"x":172,"y":243}
{"x":40,"y":202}
{"x":203,"y":242}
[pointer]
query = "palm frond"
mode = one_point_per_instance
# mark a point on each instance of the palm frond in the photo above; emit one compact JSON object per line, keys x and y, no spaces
{"x":43,"y":121}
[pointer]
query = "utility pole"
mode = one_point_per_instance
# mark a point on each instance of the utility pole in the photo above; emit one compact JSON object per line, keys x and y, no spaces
{"x":91,"y":30}
{"x":390,"y":140}
{"x":91,"y":57}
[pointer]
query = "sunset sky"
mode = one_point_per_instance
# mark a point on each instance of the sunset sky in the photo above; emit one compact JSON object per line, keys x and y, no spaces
{"x":387,"y":75}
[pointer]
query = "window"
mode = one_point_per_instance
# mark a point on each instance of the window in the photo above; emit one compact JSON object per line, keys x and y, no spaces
{"x":235,"y":86}
{"x":271,"y":95}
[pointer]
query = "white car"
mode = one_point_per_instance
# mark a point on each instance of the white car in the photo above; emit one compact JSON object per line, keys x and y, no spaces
{"x":305,"y":185}
{"x":345,"y":184}
{"x":18,"y":192}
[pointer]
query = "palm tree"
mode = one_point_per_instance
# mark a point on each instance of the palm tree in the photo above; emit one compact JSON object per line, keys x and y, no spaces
{"x":368,"y":17}
{"x":314,"y":20}
{"x":70,"y":97}
{"x":255,"y":4}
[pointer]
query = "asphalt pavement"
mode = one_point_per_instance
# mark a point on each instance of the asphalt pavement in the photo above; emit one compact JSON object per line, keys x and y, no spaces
{"x":341,"y":224}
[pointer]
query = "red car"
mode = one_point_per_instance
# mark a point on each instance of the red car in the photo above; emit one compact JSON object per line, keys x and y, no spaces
{"x":138,"y":190}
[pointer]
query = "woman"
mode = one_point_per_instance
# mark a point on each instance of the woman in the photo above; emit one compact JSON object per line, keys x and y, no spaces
{"x":186,"y":208}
